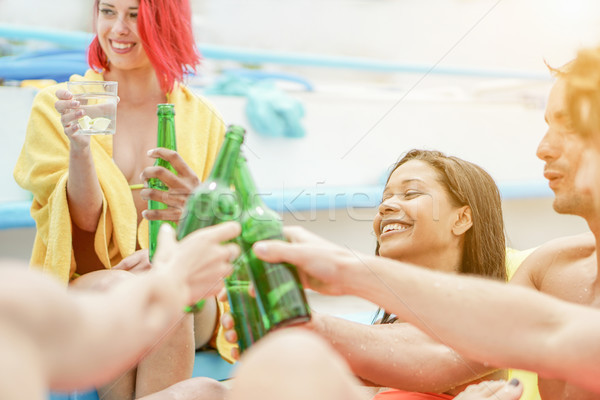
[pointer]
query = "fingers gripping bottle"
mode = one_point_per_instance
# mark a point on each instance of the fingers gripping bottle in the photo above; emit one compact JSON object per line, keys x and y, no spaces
{"x":211,"y":203}
{"x":278,"y":288}
{"x":166,"y":139}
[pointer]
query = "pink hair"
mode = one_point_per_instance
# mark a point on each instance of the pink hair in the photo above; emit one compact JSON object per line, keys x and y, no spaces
{"x":165,"y":30}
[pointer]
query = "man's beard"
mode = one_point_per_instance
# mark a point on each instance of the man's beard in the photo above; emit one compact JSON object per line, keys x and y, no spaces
{"x":570,"y":205}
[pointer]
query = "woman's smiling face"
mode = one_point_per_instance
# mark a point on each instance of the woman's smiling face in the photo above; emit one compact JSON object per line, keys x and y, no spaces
{"x":118,"y":34}
{"x":416,"y":217}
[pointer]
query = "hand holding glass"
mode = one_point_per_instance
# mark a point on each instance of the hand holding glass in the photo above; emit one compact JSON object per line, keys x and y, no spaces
{"x":98,"y":100}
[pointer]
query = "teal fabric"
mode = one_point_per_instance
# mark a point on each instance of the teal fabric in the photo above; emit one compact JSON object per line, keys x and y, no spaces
{"x":230,"y":85}
{"x":91,"y":395}
{"x":274,"y":113}
{"x":270,"y":111}
{"x":209,"y":363}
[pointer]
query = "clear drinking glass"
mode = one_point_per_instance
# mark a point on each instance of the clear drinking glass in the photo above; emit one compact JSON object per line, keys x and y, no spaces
{"x":98,"y":100}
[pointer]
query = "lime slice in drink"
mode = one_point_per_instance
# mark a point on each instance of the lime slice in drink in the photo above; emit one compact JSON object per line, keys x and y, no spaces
{"x":99,"y":124}
{"x":84,"y":122}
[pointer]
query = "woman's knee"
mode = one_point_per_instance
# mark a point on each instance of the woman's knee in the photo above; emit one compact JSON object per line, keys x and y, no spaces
{"x":101,"y":280}
{"x":190,"y":389}
{"x":295,"y":364}
{"x":294,"y":345}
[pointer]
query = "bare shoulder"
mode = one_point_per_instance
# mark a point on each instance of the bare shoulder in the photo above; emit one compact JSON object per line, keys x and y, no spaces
{"x":556,"y":253}
{"x":568,"y":247}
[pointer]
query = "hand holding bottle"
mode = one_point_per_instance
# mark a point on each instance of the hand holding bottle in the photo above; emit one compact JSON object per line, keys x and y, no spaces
{"x":321,"y":264}
{"x":199,"y":259}
{"x":179,"y":185}
{"x":279,"y":292}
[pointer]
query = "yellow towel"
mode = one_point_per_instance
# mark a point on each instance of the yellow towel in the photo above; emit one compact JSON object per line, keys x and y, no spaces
{"x":42,"y":168}
{"x":514,"y":258}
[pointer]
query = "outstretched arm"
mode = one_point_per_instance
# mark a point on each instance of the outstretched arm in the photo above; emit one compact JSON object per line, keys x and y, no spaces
{"x":81,"y":339}
{"x":475,"y":316}
{"x":398,"y":355}
{"x":50,"y":327}
{"x":391,"y":355}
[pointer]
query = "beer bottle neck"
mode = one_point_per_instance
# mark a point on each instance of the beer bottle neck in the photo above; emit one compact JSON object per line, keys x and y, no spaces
{"x":166,"y":131}
{"x":245,"y":186}
{"x":225,"y":163}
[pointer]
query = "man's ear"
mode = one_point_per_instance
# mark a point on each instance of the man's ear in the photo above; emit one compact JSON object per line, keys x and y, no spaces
{"x":464,"y":221}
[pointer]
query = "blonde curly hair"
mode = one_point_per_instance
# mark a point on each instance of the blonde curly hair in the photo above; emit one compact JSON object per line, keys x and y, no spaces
{"x":582,"y":78}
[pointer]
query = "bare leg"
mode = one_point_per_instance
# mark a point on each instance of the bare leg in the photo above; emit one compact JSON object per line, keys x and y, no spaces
{"x":293,"y":364}
{"x":59,"y":338}
{"x":102,"y":280}
{"x":204,"y":323}
{"x":493,"y":390}
{"x":172,"y":361}
{"x":121,"y":388}
{"x":191,"y":389}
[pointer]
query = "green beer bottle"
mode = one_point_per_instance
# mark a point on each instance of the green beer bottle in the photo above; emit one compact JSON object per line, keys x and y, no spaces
{"x":211,"y":203}
{"x":278,"y":288}
{"x":166,"y":139}
{"x":214,"y":201}
{"x":249,"y":323}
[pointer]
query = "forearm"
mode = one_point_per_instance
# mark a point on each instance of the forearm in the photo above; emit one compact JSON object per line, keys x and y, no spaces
{"x":83,"y":190}
{"x":115,"y":329}
{"x":61,"y":325}
{"x":23,"y":375}
{"x":397,"y":355}
{"x":501,"y":324}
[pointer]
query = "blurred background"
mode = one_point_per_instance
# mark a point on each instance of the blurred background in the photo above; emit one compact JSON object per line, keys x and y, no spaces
{"x":334,"y":91}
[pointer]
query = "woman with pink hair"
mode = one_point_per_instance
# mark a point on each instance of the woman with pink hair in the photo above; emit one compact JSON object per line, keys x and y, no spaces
{"x":89,"y":201}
